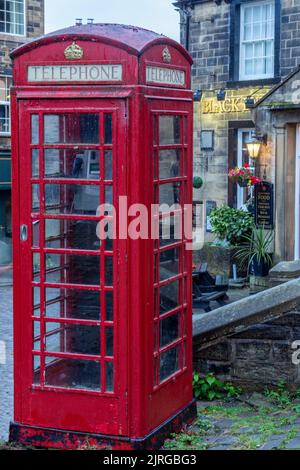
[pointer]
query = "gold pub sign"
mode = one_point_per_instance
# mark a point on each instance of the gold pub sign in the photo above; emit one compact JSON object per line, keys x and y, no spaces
{"x":235,"y":104}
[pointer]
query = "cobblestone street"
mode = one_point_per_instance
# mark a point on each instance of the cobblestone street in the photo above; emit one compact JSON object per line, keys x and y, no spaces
{"x":6,"y":361}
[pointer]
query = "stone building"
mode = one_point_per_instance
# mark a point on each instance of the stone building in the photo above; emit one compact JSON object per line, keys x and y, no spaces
{"x":20,"y":21}
{"x":241,"y":49}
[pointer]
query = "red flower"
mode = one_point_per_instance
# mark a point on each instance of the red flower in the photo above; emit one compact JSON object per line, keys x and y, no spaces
{"x":246,"y":165}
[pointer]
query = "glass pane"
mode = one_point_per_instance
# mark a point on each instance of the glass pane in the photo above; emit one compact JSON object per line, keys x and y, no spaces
{"x":36,"y":370}
{"x":109,"y":375}
{"x":109,"y":341}
{"x":169,"y":163}
{"x":169,"y":363}
{"x":169,"y":297}
{"x":72,"y":303}
{"x":108,"y":165}
{"x":109,"y":304}
{"x":169,"y":230}
{"x":36,"y":234}
{"x":36,"y":336}
{"x":73,"y":234}
{"x":35,"y":198}
{"x":36,"y":267}
{"x":73,"y":373}
{"x":169,"y":130}
{"x":34,"y":129}
{"x":72,"y":128}
{"x":169,"y":194}
{"x":169,"y":330}
{"x":169,"y":264}
{"x":81,"y":164}
{"x":35,"y":164}
{"x":73,"y":269}
{"x":71,"y":199}
{"x":107,"y":128}
{"x":36,"y":294}
{"x":109,"y":274}
{"x":79,"y":339}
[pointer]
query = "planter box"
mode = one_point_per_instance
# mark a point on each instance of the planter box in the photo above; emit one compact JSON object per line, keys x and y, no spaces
{"x":219,"y":259}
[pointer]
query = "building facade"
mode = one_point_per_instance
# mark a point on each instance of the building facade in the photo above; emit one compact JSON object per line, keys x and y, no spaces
{"x":241,"y":50}
{"x":20,"y":21}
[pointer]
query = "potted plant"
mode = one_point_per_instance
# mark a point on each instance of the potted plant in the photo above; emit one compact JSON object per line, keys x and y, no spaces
{"x":243,"y":176}
{"x":231,"y":225}
{"x":257,"y":251}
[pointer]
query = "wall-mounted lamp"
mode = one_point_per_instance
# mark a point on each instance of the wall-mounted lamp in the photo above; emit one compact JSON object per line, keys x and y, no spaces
{"x":221,"y":95}
{"x":249,"y":102}
{"x":254,"y":144}
{"x":198,"y":95}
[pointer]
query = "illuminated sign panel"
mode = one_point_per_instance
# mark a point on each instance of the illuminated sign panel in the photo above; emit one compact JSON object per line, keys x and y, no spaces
{"x":165,"y":76}
{"x":75,"y":73}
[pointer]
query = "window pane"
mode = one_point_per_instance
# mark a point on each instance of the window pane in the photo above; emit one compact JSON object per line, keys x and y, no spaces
{"x":71,"y":199}
{"x":169,"y":264}
{"x":109,"y":305}
{"x":74,"y":234}
{"x":81,"y":164}
{"x":169,"y":130}
{"x":169,"y":297}
{"x":109,"y":375}
{"x":73,"y":373}
{"x":35,"y":129}
{"x":169,"y":363}
{"x":169,"y":230}
{"x":169,"y":163}
{"x":169,"y":194}
{"x":79,"y":339}
{"x":107,"y":128}
{"x":35,"y":164}
{"x":72,"y":269}
{"x":35,"y":198}
{"x":108,"y":165}
{"x":109,"y":341}
{"x":169,"y":330}
{"x":109,"y":275}
{"x":72,"y":128}
{"x":72,"y":303}
{"x":36,"y":370}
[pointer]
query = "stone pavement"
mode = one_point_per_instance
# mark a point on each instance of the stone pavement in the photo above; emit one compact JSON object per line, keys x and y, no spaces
{"x":237,"y":424}
{"x":6,"y":361}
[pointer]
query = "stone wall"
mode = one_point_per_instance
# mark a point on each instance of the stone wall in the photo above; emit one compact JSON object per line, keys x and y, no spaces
{"x":256,"y":358}
{"x":250,"y":341}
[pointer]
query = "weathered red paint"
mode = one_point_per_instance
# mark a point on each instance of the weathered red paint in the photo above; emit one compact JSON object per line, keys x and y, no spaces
{"x":139,"y":405}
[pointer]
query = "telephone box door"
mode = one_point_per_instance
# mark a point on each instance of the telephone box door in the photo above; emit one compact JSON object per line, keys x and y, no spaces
{"x":71,"y":332}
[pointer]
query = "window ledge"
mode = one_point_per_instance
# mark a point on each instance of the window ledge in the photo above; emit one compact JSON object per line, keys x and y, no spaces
{"x":251,"y":83}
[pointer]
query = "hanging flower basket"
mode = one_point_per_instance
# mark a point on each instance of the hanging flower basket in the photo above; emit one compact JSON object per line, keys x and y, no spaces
{"x":243,"y":176}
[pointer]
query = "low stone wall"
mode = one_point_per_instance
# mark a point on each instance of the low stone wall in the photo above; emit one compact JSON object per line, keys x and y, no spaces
{"x":249,"y":343}
{"x":256,"y":358}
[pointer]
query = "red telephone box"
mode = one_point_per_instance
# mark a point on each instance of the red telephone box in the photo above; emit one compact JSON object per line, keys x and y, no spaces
{"x":103,"y":327}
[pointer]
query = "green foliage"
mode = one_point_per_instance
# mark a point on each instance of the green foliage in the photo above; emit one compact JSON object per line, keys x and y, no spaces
{"x":197,"y":182}
{"x":231,"y":225}
{"x":209,"y":387}
{"x":282,"y":397}
{"x":257,"y":246}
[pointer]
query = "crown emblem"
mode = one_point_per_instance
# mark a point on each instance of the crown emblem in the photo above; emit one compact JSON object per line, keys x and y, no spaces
{"x":74,"y":52}
{"x":166,"y":55}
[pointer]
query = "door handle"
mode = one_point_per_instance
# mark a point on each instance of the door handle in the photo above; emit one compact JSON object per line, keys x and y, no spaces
{"x":24,"y":233}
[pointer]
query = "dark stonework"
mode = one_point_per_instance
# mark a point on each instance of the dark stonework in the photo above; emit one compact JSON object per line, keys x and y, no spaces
{"x":250,"y":342}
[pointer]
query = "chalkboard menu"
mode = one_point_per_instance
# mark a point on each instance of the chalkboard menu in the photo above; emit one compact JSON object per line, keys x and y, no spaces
{"x":264,"y":205}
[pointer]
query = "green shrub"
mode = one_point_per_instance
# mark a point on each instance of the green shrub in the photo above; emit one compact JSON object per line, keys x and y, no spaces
{"x":231,"y":225}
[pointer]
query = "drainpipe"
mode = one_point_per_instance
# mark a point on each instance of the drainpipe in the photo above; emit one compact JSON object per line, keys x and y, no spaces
{"x":184,"y":8}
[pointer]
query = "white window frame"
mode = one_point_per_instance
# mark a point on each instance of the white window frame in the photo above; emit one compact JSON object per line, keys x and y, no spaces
{"x":25,"y":22}
{"x":240,"y":192}
{"x":6,"y":104}
{"x":242,"y":74}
